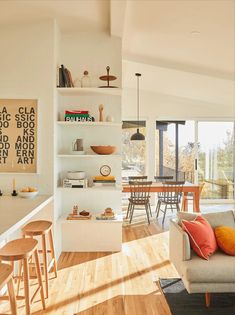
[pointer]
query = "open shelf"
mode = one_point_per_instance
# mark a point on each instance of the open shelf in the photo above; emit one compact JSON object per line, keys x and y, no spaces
{"x":93,"y":188}
{"x":88,"y":156}
{"x":89,"y":91}
{"x":89,"y":123}
{"x":118,"y":219}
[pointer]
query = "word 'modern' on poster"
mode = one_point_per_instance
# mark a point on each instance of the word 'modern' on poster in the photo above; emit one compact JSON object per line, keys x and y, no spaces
{"x":18,"y":135}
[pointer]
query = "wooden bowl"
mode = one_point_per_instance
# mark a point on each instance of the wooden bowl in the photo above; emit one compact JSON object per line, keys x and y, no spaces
{"x":103,"y":149}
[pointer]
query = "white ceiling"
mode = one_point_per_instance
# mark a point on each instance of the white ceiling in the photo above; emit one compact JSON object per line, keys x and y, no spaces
{"x":75,"y":15}
{"x":195,"y":36}
{"x":191,"y":38}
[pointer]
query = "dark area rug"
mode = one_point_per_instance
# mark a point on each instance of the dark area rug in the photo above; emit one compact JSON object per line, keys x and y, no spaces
{"x":182,"y":303}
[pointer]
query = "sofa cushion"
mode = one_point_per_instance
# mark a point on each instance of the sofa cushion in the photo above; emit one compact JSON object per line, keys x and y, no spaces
{"x":225,"y":237}
{"x":220,"y":268}
{"x":215,"y":219}
{"x":201,"y":235}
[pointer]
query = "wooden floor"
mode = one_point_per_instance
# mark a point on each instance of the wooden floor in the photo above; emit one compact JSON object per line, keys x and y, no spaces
{"x":123,"y":283}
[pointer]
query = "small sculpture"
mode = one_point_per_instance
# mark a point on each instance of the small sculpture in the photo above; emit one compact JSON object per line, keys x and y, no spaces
{"x":101,"y":108}
{"x":108,"y":78}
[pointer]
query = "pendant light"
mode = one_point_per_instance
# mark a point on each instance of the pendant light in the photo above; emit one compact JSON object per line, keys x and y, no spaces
{"x":138,"y":136}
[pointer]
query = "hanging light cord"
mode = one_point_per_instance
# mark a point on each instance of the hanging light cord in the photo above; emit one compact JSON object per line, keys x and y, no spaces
{"x":138,"y":99}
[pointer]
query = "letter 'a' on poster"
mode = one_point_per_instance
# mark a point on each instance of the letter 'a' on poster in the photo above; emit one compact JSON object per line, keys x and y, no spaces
{"x":18,"y":135}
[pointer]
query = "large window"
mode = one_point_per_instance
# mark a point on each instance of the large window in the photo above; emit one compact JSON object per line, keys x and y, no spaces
{"x":216,"y":159}
{"x":198,"y":151}
{"x":133,"y":152}
{"x":175,"y":149}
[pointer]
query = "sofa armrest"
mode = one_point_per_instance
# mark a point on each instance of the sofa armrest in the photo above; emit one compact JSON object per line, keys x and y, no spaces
{"x":179,"y":245}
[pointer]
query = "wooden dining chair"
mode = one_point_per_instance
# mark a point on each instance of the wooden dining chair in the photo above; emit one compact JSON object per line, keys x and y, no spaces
{"x":136,"y":179}
{"x":190,"y":197}
{"x":170,"y":197}
{"x":140,"y":196}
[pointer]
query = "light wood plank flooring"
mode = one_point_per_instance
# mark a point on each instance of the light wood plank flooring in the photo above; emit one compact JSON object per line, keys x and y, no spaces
{"x":122,"y":283}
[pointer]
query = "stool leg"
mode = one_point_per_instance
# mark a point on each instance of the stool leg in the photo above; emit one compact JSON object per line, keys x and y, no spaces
{"x":39,"y":276}
{"x":20,"y":277}
{"x":26,"y":285}
{"x":45,"y":265}
{"x":53,"y":252}
{"x":12,"y":297}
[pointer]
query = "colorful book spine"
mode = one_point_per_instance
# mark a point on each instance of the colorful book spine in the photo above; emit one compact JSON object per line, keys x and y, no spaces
{"x":76,"y":112}
{"x":78,"y":118}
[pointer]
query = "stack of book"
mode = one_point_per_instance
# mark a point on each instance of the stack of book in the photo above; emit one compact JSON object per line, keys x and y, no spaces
{"x":78,"y":115}
{"x":104,"y":181}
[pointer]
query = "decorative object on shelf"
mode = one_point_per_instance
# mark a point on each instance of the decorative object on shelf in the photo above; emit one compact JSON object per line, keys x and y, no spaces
{"x":83,"y":215}
{"x":76,"y":175}
{"x":75,"y":183}
{"x":77,"y":147}
{"x":65,"y":77}
{"x":28,"y":192}
{"x":105,"y":170}
{"x":108,"y":78}
{"x":1,"y":193}
{"x":75,"y":210}
{"x":78,"y":115}
{"x":103,"y":149}
{"x":109,"y":118}
{"x":107,"y":215}
{"x":14,"y":193}
{"x":138,"y":136}
{"x":101,"y":108}
{"x":85,"y":80}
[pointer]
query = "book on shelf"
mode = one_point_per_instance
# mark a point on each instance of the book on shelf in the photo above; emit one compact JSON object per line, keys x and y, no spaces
{"x":104,"y":184}
{"x":104,"y":178}
{"x":76,"y":112}
{"x":79,"y":118}
{"x":65,"y":77}
{"x":78,"y":217}
{"x":104,"y":181}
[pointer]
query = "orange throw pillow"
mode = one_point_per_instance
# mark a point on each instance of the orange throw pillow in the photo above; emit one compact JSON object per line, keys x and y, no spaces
{"x":225,"y":237}
{"x":201,"y":236}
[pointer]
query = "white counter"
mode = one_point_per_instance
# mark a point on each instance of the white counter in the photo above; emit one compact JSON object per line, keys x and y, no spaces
{"x":16,"y":211}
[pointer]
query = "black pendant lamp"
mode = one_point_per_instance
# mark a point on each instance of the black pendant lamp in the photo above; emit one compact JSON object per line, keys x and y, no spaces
{"x":138,"y":136}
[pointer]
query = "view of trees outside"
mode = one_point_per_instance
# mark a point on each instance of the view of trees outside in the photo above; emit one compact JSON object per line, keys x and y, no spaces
{"x":133,"y":154}
{"x":216,"y":159}
{"x":186,"y":151}
{"x":215,"y":155}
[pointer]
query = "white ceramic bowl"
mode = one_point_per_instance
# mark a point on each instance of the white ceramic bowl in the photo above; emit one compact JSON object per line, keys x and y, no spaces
{"x":76,"y":175}
{"x":28,"y":194}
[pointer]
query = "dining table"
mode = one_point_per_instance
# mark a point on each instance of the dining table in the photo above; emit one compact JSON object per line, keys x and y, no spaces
{"x":194,"y":189}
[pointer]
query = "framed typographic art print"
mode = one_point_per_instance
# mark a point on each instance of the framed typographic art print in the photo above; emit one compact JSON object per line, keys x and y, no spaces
{"x":18,"y":135}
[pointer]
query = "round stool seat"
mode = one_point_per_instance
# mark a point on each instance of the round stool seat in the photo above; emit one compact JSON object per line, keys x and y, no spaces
{"x":5,"y":274}
{"x":39,"y":227}
{"x":18,"y":249}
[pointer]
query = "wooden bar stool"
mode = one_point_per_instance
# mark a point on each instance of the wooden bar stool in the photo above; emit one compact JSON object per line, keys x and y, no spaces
{"x":23,"y":249}
{"x":43,"y":228}
{"x":6,"y":272}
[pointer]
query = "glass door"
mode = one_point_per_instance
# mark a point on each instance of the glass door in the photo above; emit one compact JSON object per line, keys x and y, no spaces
{"x":216,"y":159}
{"x":175,"y":150}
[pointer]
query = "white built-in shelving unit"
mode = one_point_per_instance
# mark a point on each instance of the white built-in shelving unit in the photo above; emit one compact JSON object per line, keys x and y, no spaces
{"x":89,"y":235}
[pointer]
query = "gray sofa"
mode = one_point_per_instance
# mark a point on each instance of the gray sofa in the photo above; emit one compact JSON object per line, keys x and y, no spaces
{"x":199,"y":275}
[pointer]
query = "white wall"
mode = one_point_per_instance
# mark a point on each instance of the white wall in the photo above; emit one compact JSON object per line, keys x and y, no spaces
{"x":28,"y":71}
{"x":167,"y":92}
